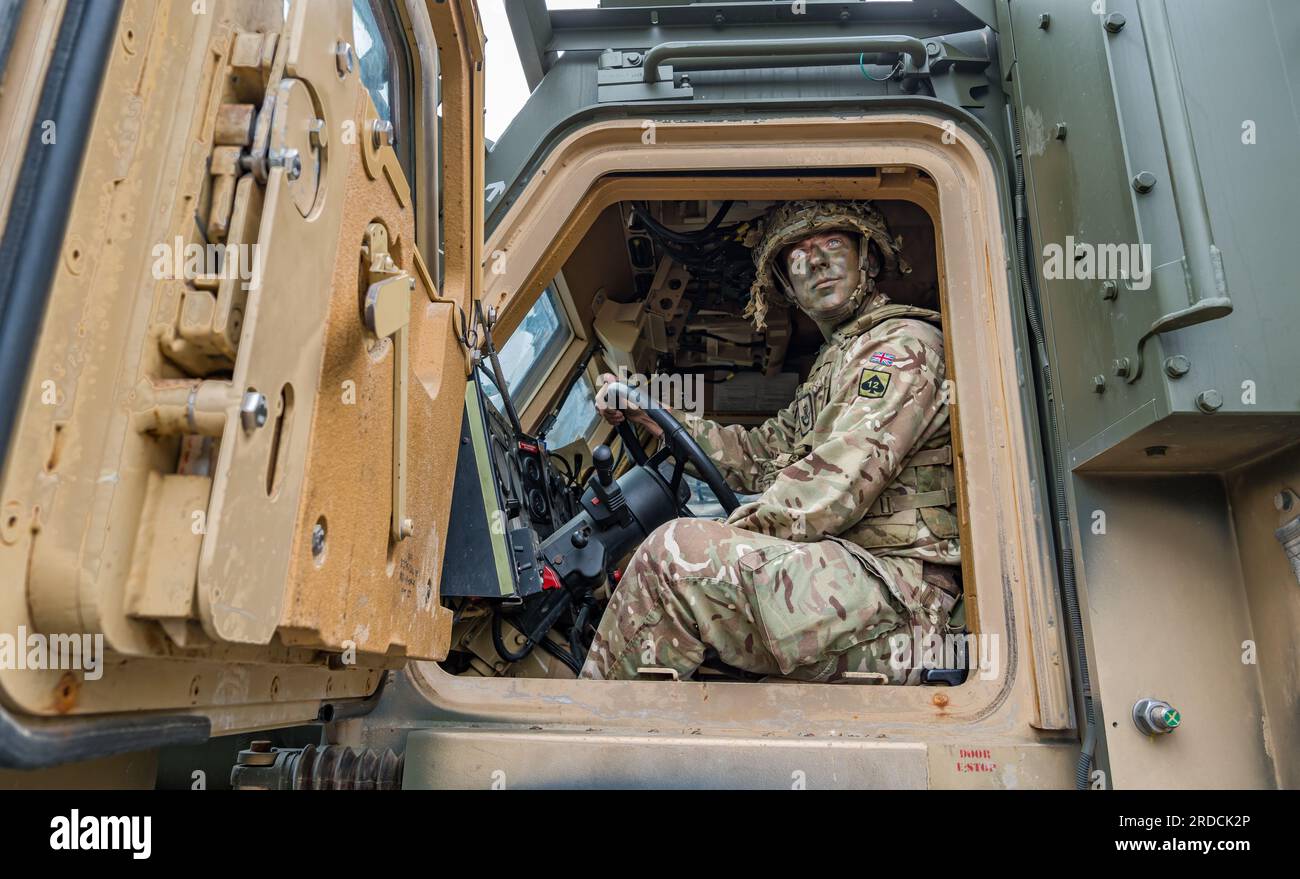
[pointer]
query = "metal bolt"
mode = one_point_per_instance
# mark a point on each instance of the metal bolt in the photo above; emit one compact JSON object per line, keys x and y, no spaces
{"x":1144,"y":182}
{"x":1114,"y":22}
{"x":317,"y":133}
{"x":1109,"y":290}
{"x":253,"y":411}
{"x":1155,"y":716}
{"x":343,"y":59}
{"x":318,"y":540}
{"x":381,"y":133}
{"x":932,"y":49}
{"x":633,"y":59}
{"x":1177,"y":366}
{"x":408,"y":527}
{"x":1122,"y":365}
{"x":719,"y":19}
{"x":261,"y":746}
{"x":1099,"y":384}
{"x":686,"y":80}
{"x":1044,"y":21}
{"x":1209,"y":401}
{"x":289,"y":160}
{"x":1058,"y":131}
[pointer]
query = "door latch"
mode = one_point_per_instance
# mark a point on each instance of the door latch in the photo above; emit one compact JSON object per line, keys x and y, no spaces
{"x":387,"y":313}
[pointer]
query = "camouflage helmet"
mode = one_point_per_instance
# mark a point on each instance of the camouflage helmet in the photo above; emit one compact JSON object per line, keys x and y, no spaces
{"x":795,"y":220}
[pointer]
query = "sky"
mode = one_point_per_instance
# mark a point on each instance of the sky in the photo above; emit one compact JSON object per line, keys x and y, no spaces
{"x":506,"y":88}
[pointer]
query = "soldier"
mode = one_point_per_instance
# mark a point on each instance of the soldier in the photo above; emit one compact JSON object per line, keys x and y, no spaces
{"x":854,"y":537}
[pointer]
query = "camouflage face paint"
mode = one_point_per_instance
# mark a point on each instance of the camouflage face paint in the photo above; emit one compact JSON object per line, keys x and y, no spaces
{"x":824,"y":272}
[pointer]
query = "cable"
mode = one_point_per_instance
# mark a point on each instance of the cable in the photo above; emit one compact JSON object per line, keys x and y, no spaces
{"x":575,"y":634}
{"x":500,"y":644}
{"x":1069,"y":586}
{"x":568,"y":468}
{"x":559,"y":653}
{"x":659,"y":230}
{"x":893,"y":70}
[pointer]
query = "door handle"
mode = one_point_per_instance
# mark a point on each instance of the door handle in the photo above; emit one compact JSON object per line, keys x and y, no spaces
{"x":387,"y":313}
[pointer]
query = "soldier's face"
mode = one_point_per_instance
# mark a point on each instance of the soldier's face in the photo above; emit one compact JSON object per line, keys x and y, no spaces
{"x":823,"y":271}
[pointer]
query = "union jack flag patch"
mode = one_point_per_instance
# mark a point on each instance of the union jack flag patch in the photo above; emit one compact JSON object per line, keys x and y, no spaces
{"x":883,"y":358}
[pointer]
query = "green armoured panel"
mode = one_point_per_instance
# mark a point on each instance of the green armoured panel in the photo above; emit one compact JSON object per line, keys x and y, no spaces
{"x":1136,"y":142}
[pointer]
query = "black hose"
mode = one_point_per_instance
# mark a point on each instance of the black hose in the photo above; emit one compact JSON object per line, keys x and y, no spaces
{"x":568,"y":468}
{"x":659,"y":230}
{"x":1069,"y":586}
{"x":574,"y":665}
{"x":500,"y":644}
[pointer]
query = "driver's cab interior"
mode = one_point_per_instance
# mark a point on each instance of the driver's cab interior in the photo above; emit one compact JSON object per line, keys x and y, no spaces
{"x":652,"y":289}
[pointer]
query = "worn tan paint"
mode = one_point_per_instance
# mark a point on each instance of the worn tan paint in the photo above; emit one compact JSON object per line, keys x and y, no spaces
{"x":1170,"y":625}
{"x":1008,"y":561}
{"x":75,"y":482}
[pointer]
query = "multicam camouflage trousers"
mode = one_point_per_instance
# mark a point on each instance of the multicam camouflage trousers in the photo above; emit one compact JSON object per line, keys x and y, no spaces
{"x":809,"y":611}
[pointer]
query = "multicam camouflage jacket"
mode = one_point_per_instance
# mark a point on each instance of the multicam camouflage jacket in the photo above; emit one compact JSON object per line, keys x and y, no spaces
{"x":863,"y":453}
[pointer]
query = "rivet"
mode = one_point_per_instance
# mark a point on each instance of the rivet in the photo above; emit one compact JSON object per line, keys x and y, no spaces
{"x":1114,"y":22}
{"x":1044,"y":21}
{"x":1058,"y":131}
{"x":1144,"y":182}
{"x":1122,"y":367}
{"x":1099,"y":384}
{"x":1109,"y":290}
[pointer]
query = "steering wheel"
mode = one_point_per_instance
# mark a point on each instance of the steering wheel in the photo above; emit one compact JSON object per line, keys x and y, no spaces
{"x":678,"y":442}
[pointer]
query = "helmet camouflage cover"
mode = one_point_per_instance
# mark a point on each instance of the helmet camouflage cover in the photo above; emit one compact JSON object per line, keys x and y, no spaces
{"x":795,"y":220}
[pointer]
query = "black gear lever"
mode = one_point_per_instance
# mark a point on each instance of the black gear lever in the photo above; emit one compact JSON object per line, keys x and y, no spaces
{"x":603,"y":460}
{"x":608,"y":495}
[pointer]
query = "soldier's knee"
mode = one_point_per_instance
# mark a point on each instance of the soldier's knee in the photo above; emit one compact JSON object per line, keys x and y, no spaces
{"x":647,"y":558}
{"x":679,"y":548}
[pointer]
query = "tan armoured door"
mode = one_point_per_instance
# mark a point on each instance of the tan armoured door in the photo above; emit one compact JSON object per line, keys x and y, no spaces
{"x":231,"y":456}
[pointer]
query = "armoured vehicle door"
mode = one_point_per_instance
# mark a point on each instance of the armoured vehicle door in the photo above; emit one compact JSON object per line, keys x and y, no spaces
{"x":234,"y":361}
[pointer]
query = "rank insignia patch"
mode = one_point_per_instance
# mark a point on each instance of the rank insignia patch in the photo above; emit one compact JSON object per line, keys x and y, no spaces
{"x":804,"y":411}
{"x":873,"y":383}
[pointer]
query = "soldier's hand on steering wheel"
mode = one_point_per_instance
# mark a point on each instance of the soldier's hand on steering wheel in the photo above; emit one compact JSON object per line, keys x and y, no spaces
{"x":614,"y":412}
